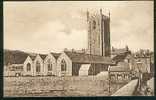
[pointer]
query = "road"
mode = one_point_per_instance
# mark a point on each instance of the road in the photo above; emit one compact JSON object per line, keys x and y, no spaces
{"x":127,"y":90}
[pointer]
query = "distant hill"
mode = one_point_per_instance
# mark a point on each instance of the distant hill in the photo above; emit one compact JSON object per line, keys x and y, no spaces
{"x":15,"y":56}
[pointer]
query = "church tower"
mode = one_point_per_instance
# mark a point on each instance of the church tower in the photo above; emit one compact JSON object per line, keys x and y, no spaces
{"x":99,"y":34}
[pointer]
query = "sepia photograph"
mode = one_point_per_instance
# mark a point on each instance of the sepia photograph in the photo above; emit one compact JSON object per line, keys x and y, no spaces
{"x":78,"y":48}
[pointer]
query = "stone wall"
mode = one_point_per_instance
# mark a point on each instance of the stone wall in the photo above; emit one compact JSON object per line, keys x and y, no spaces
{"x":56,"y":86}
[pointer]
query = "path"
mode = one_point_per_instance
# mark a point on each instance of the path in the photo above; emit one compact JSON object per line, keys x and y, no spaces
{"x":128,"y":89}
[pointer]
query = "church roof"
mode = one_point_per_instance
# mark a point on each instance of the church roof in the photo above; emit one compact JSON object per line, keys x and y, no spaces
{"x":56,"y":55}
{"x":43,"y":56}
{"x":32,"y":57}
{"x":87,"y":58}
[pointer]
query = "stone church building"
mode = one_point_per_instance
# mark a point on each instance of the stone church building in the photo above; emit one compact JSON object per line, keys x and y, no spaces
{"x":74,"y":64}
{"x":71,"y":63}
{"x":41,"y":65}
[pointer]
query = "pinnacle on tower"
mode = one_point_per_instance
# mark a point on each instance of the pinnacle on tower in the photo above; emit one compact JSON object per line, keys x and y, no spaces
{"x":109,"y":14}
{"x":100,"y":11}
{"x":87,"y":15}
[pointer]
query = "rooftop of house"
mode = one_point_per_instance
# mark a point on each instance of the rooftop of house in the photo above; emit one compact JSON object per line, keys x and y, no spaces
{"x":116,"y":51}
{"x":122,"y":67}
{"x":119,"y":58}
{"x":43,"y":56}
{"x":87,"y":58}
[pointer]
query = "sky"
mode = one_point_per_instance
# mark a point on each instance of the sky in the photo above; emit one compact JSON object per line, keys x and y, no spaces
{"x":47,"y":26}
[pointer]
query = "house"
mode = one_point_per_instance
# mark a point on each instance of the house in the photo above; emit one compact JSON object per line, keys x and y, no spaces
{"x":145,"y":63}
{"x":14,"y":70}
{"x":124,"y":55}
{"x":120,"y":55}
{"x":71,"y":64}
{"x":120,"y":73}
{"x":146,"y":58}
{"x":121,"y":51}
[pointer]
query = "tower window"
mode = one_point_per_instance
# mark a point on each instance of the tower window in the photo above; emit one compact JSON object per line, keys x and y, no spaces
{"x":94,"y":24}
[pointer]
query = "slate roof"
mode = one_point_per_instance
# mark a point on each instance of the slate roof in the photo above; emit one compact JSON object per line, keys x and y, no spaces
{"x":86,"y":58}
{"x":56,"y":55}
{"x":119,"y":58}
{"x":32,"y":57}
{"x":122,"y":67}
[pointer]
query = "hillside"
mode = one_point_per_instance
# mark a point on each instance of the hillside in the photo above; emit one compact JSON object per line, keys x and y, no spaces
{"x":15,"y":56}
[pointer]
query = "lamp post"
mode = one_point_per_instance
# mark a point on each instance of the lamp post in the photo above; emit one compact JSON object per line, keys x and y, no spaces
{"x":109,"y":79}
{"x":140,"y":74}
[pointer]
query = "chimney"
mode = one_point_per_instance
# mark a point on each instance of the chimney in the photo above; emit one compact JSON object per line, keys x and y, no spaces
{"x":127,"y":49}
{"x":73,"y":50}
{"x":101,"y":11}
{"x":109,"y":13}
{"x":83,"y":50}
{"x":113,"y":48}
{"x":65,"y":49}
{"x":87,"y":15}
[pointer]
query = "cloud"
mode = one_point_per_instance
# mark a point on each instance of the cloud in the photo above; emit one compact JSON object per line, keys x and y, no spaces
{"x":133,"y":26}
{"x":50,"y":37}
{"x":45,"y":26}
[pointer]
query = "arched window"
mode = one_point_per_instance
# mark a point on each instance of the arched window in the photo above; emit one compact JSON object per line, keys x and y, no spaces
{"x":38,"y":66}
{"x":63,"y":65}
{"x":94,"y":24}
{"x":49,"y":64}
{"x":28,"y":67}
